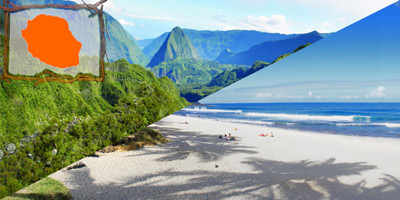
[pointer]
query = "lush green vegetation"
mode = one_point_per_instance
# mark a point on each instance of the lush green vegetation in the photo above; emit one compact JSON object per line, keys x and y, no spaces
{"x":194,"y":93}
{"x":179,"y":60}
{"x":46,"y":127}
{"x":176,"y":45}
{"x":230,"y":76}
{"x":190,"y":71}
{"x":46,"y":188}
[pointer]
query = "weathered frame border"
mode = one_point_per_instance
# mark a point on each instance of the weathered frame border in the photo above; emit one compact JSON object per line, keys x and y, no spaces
{"x":47,"y":75}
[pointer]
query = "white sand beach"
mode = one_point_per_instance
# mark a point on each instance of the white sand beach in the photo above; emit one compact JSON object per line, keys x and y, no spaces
{"x":196,"y":164}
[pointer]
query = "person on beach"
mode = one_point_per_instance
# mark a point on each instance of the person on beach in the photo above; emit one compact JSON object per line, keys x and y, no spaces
{"x":229,"y":135}
{"x":271,"y":135}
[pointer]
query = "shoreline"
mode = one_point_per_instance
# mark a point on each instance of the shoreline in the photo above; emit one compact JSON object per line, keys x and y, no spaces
{"x":266,"y":125}
{"x":197,"y":164}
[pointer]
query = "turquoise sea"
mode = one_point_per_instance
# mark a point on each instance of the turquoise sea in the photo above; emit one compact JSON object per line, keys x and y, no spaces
{"x":361,"y":119}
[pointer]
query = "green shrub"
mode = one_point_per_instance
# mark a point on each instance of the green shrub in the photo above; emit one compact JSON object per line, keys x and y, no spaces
{"x":53,"y":124}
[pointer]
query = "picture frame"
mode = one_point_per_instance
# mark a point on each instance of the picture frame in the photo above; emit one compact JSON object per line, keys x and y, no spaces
{"x":47,"y":75}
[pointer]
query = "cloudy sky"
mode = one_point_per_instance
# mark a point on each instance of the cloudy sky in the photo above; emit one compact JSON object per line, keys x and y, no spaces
{"x":360,"y":63}
{"x":151,"y":18}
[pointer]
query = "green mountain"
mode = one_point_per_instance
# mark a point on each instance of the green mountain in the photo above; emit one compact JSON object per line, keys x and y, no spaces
{"x":178,"y":60}
{"x":189,"y":70}
{"x":268,"y":51}
{"x":210,"y":44}
{"x":230,"y":76}
{"x":121,"y":43}
{"x":176,"y":45}
{"x":195,"y":92}
{"x":151,"y":48}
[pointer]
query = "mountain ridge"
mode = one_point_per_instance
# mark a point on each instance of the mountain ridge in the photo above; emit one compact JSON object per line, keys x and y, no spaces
{"x":210,"y":43}
{"x":176,"y":45}
{"x":268,"y":51}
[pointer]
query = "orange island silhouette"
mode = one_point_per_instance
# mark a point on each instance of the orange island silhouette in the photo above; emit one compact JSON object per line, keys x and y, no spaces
{"x":50,"y":40}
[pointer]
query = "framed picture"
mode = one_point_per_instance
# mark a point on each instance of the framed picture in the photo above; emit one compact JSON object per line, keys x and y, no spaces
{"x":60,"y":43}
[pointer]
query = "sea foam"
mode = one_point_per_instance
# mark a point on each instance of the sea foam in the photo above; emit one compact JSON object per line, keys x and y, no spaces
{"x":295,"y":117}
{"x":211,"y":110}
{"x":388,"y":125}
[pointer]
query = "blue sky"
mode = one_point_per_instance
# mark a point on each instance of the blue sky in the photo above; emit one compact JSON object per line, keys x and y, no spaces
{"x":360,"y":63}
{"x":151,"y":18}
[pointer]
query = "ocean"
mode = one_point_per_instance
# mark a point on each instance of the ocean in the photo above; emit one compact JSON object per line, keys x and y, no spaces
{"x":360,"y":119}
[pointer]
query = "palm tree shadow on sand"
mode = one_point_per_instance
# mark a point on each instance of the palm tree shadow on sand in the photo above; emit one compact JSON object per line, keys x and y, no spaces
{"x":267,"y":179}
{"x":205,"y":147}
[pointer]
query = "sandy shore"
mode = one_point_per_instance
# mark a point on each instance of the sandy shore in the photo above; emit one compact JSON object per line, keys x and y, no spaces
{"x":198,"y":165}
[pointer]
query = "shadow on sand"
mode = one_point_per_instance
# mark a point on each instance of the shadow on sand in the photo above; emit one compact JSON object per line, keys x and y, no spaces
{"x":267,"y":180}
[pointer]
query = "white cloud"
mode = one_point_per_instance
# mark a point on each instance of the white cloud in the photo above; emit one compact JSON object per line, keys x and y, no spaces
{"x":126,"y":23}
{"x":379,"y":92}
{"x":310,"y":93}
{"x":263,"y":95}
{"x":272,"y":24}
{"x":350,"y":97}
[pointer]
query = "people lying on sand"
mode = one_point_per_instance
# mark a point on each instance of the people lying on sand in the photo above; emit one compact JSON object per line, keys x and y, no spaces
{"x":225,"y":137}
{"x":233,"y":139}
{"x":184,"y":122}
{"x":263,"y":135}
